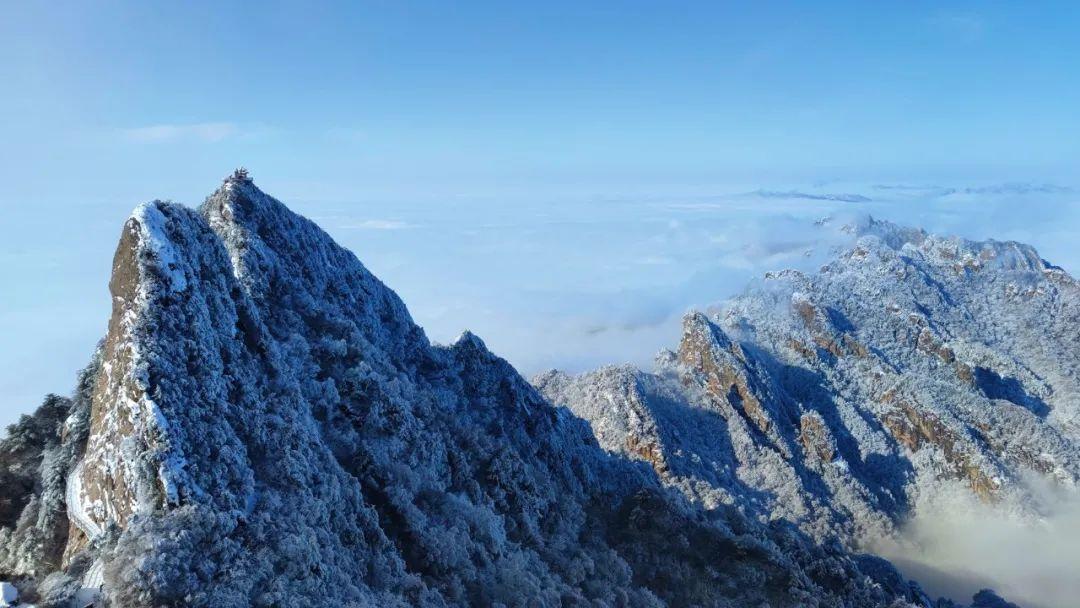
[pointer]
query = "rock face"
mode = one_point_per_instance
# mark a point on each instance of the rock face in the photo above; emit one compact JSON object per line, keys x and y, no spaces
{"x":843,"y":400}
{"x":264,"y":425}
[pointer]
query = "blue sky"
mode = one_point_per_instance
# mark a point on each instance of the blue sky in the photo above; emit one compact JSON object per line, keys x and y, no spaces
{"x":563,"y":178}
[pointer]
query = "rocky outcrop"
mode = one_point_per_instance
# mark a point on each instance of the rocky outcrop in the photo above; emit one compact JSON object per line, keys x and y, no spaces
{"x":815,"y":438}
{"x":264,"y":425}
{"x":843,"y":398}
{"x":721,"y":365}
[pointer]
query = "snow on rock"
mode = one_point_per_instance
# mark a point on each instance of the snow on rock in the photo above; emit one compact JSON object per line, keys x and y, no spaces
{"x":264,"y":425}
{"x":842,"y":400}
{"x":78,"y":509}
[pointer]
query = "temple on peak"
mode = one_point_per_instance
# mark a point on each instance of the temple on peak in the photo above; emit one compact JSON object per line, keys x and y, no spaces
{"x":239,"y":175}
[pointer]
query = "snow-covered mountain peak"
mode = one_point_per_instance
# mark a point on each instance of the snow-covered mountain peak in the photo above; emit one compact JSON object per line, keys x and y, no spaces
{"x":265,"y":425}
{"x":845,"y":399}
{"x":956,"y":253}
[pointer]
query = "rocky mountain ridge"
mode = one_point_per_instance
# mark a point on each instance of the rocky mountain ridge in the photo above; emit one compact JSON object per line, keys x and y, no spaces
{"x":912,"y":365}
{"x":264,"y":425}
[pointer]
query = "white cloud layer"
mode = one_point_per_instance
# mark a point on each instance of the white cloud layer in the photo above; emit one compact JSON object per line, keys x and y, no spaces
{"x":577,"y":282}
{"x":377,"y":224}
{"x":955,"y":546}
{"x":548,"y":279}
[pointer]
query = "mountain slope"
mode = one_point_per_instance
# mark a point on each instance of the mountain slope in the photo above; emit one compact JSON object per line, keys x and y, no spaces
{"x":265,"y":425}
{"x":910,"y":367}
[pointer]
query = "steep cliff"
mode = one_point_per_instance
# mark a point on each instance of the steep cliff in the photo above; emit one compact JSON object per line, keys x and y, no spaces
{"x":264,"y":425}
{"x":844,"y":400}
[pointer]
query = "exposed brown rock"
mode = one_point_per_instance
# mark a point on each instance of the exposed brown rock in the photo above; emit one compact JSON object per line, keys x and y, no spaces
{"x":964,"y":373}
{"x":801,"y":348}
{"x":815,"y":438}
{"x":915,"y":428}
{"x":698,"y":351}
{"x":806,"y":312}
{"x":829,"y":345}
{"x":822,"y":337}
{"x":648,"y":450}
{"x":929,"y":344}
{"x":854,"y":347}
{"x":111,"y":421}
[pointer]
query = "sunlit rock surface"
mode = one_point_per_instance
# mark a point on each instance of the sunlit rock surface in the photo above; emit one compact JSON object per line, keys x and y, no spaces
{"x":264,"y":425}
{"x":843,"y":400}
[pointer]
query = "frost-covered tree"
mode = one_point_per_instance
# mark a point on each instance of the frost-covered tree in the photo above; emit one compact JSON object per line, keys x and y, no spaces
{"x":264,"y":425}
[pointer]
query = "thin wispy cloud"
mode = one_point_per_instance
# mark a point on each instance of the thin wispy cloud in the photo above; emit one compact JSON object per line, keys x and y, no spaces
{"x":377,"y":224}
{"x":842,"y":197}
{"x":1003,"y":189}
{"x":208,"y":132}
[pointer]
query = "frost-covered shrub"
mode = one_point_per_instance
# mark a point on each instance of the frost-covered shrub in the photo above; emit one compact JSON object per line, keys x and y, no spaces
{"x":268,"y":427}
{"x":844,"y":400}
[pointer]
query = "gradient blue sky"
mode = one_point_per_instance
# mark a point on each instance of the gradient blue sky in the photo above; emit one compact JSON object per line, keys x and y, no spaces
{"x":539,"y":172}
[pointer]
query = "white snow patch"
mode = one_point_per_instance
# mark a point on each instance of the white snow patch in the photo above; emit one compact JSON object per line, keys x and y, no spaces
{"x":77,"y":510}
{"x":153,"y":221}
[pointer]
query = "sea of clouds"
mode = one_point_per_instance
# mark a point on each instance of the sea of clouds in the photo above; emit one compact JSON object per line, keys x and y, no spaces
{"x":552,"y":278}
{"x":574,"y":282}
{"x":955,"y":545}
